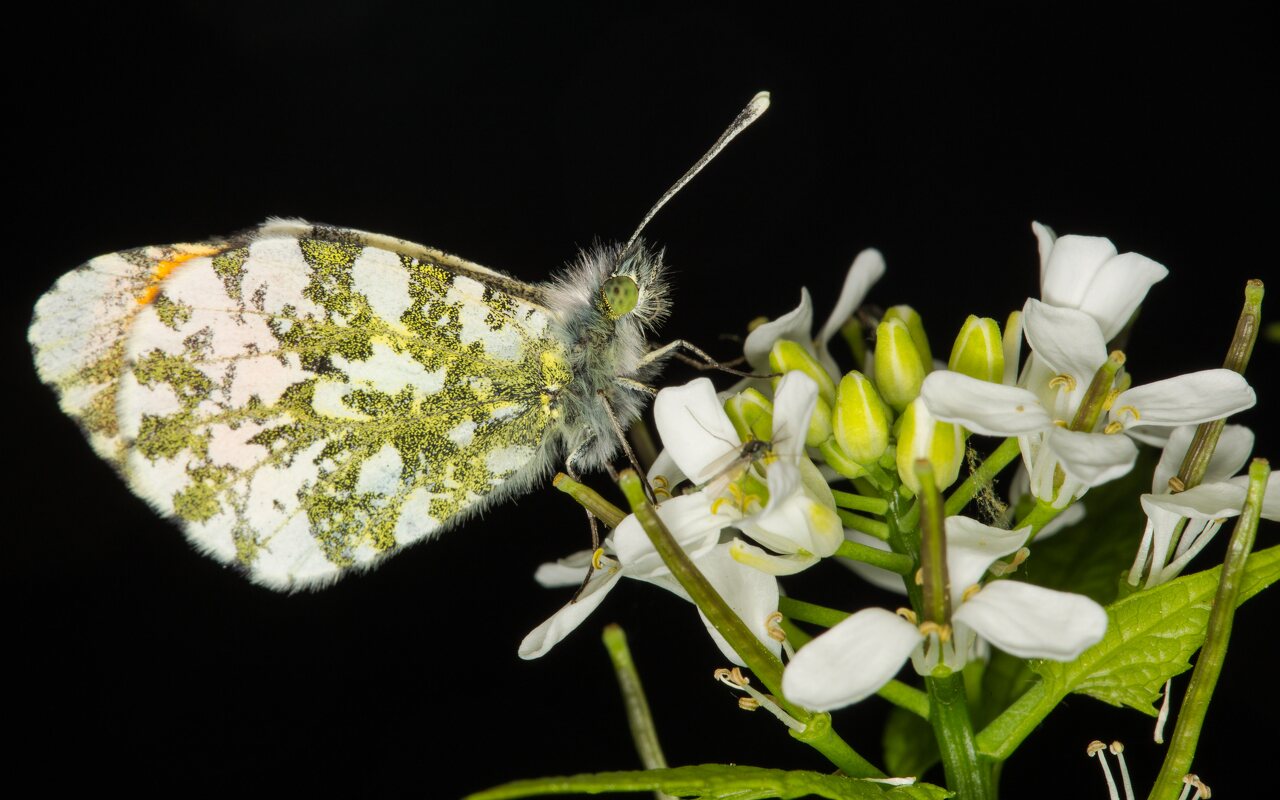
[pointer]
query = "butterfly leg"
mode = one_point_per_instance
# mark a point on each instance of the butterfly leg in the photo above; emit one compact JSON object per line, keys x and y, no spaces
{"x":571,"y":469}
{"x":703,"y":360}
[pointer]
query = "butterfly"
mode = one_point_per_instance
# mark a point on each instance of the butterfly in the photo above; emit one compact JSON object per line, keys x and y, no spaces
{"x":306,"y":400}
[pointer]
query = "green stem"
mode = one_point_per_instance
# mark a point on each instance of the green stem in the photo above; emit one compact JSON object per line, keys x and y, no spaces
{"x":968,"y":774}
{"x":936,"y":588}
{"x":894,"y":562}
{"x":983,"y":475}
{"x":1186,"y":733}
{"x":759,"y":659}
{"x":906,"y":697}
{"x":812,"y":613}
{"x":589,"y":499}
{"x":871,"y":527}
{"x":858,"y":502}
{"x":1039,"y":516}
{"x":639,"y":718}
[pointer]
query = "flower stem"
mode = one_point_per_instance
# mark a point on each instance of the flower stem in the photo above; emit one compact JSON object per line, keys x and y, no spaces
{"x":968,"y":774}
{"x":894,"y":562}
{"x":1035,"y":519}
{"x":812,"y":613}
{"x":858,"y":502}
{"x":982,"y":476}
{"x":1186,"y":733}
{"x":871,"y":527}
{"x":766,"y":666}
{"x":936,"y":590}
{"x":643,"y":731}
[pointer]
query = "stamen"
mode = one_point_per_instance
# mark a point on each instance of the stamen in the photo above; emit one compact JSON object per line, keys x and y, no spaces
{"x":597,"y":559}
{"x":943,"y":631}
{"x":715,"y":505}
{"x":1164,"y":713}
{"x":1064,"y":382}
{"x":1119,"y":412}
{"x":1176,"y":485}
{"x":970,"y":592}
{"x":1002,"y":568}
{"x":1117,"y":750}
{"x":920,"y":577}
{"x":1113,"y":427}
{"x":908,"y":615}
{"x":1097,"y":748}
{"x":1202,"y":788}
{"x":772,"y":624}
{"x":734,"y":679}
{"x":748,"y":704}
{"x":1061,"y":423}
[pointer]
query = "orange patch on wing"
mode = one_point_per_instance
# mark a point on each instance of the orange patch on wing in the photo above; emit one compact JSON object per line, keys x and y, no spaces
{"x":164,"y":268}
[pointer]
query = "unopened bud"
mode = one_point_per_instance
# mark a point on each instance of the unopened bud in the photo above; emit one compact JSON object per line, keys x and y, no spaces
{"x":915,"y":325}
{"x":787,"y":356}
{"x":921,"y":436}
{"x":751,"y":414}
{"x":819,"y":424}
{"x":899,"y":367}
{"x":979,"y":350}
{"x":861,"y":419}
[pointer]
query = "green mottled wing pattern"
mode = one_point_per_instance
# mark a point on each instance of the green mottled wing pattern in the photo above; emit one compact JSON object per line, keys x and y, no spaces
{"x":305,"y":400}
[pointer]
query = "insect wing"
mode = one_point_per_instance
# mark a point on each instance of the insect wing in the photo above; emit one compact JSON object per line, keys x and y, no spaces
{"x":305,"y":400}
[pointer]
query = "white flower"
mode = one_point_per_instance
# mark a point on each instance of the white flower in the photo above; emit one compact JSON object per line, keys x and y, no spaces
{"x":1204,"y":507}
{"x":1069,"y":349}
{"x":1086,"y":273}
{"x":855,"y":658}
{"x":797,"y":520}
{"x":797,"y":325}
{"x":752,"y":594}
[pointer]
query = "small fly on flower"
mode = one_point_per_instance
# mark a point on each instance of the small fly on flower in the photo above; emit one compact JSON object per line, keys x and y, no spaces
{"x":305,"y":400}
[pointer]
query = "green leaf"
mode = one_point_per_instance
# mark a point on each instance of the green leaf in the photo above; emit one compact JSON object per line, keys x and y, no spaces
{"x":909,"y":745}
{"x":1150,"y":637}
{"x":715,"y":782}
{"x":1087,"y":558}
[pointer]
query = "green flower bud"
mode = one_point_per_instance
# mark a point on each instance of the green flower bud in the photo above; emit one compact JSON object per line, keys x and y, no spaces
{"x":861,"y":419}
{"x":787,"y":355}
{"x":899,"y":368}
{"x":819,"y":424}
{"x":979,"y":350}
{"x":916,"y":325}
{"x":751,"y":414}
{"x":922,"y":436}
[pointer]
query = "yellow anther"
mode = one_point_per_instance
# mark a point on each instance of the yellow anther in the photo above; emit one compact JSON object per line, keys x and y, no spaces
{"x":1110,"y":399}
{"x":920,"y":577}
{"x":1062,"y":423}
{"x":773,"y":624}
{"x":721,"y":674}
{"x":1200,"y":786}
{"x":1095,"y":747}
{"x":748,"y":703}
{"x":1114,"y":427}
{"x":1116,"y":748}
{"x":597,"y":558}
{"x":1065,"y":382}
{"x":930,"y":627}
{"x":1176,"y":485}
{"x":715,"y":505}
{"x":970,"y":592}
{"x":756,"y":323}
{"x":908,"y":615}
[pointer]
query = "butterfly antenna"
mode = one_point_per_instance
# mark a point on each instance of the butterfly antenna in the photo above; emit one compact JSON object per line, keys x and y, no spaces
{"x":758,"y":105}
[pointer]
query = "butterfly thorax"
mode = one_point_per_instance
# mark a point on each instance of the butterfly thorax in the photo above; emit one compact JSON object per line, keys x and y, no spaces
{"x":606,"y":341}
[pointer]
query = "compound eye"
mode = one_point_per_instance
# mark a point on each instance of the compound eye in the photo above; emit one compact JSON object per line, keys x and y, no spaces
{"x":620,"y":295}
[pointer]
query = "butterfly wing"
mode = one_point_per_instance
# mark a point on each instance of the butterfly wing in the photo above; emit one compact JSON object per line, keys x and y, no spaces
{"x":305,"y":400}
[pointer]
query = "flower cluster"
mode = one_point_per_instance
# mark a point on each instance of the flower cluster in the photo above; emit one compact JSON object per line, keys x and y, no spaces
{"x":808,"y":462}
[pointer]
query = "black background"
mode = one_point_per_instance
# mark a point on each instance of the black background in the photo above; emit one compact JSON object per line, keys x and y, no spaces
{"x":512,"y":136}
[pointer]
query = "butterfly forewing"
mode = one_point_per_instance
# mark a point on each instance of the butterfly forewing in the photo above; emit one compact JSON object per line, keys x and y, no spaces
{"x":304,"y":400}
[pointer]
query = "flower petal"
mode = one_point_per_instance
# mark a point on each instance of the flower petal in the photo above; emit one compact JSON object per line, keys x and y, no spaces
{"x":972,"y":547}
{"x":1206,"y":501}
{"x":981,"y":406}
{"x":694,"y":428}
{"x":1092,"y":458}
{"x":1033,"y":622}
{"x":1070,"y":268}
{"x":1118,"y":289}
{"x":567,"y":571}
{"x":1045,"y":237}
{"x":1069,"y":341}
{"x":690,"y":521}
{"x":795,"y":326}
{"x":851,"y":661}
{"x":1270,"y":498}
{"x":1184,"y":400}
{"x":867,"y":268}
{"x":752,"y":594}
{"x":561,"y":624}
{"x":794,"y":400}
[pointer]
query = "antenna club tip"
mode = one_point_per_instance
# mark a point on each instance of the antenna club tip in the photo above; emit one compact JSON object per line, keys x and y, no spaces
{"x":760,"y":103}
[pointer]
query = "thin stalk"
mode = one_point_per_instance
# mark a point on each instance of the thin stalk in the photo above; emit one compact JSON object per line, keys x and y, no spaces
{"x":1186,"y":733}
{"x":894,"y":562}
{"x":968,"y":774}
{"x":871,"y":527}
{"x":590,"y":499}
{"x":858,"y":502}
{"x":640,"y":719}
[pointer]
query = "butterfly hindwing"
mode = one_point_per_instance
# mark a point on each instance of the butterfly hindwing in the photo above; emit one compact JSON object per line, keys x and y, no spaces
{"x":305,"y":400}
